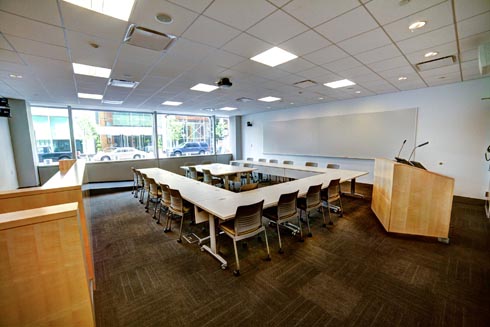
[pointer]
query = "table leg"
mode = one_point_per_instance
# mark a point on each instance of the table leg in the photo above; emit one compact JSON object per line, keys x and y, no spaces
{"x":353,"y":190}
{"x":227,"y":182}
{"x":248,"y":178}
{"x":211,"y":249}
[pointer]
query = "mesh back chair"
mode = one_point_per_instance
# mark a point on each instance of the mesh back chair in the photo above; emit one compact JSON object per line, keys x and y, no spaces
{"x":311,"y":164}
{"x":164,"y":203}
{"x":333,"y":166}
{"x":249,"y":187}
{"x":193,"y":173}
{"x":234,"y":163}
{"x":137,"y":182}
{"x":154,"y":195}
{"x":311,"y":201}
{"x":145,"y":188}
{"x":244,"y":176}
{"x":210,"y":179}
{"x":247,"y":223}
{"x":178,"y":207}
{"x":285,"y":211}
{"x":330,"y":194}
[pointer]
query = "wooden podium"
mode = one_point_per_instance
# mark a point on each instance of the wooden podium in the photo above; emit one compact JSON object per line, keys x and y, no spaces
{"x":410,"y":200}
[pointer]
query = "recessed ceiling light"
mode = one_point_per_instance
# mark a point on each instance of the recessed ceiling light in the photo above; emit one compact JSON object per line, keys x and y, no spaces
{"x":112,"y":102}
{"x":90,"y":96}
{"x":274,"y":56}
{"x":204,"y":87}
{"x":291,"y":102}
{"x":320,"y":98}
{"x":120,"y":9}
{"x":228,"y":108}
{"x":358,"y":92}
{"x":341,"y":83}
{"x":416,"y":25}
{"x":163,"y":18}
{"x":15,"y":76}
{"x":402,"y":78}
{"x":208,"y":109}
{"x":172,"y":103}
{"x":269,"y":99}
{"x":268,"y":107}
{"x":122,"y":83}
{"x":88,"y":70}
{"x":431,"y":54}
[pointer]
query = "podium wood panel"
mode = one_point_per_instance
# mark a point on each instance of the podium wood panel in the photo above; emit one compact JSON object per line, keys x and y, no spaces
{"x":411,"y":200}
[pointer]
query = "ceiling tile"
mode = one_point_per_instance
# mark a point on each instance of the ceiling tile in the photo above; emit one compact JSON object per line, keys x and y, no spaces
{"x":279,"y":3}
{"x":350,"y":24}
{"x":389,"y":64}
{"x":82,"y":52}
{"x":470,"y":70}
{"x":357,"y":72}
{"x":258,"y":69}
{"x":314,"y":72}
{"x":469,"y":55}
{"x":223,"y":59}
{"x":296,"y":65}
{"x":210,"y":32}
{"x":342,"y":64}
{"x":41,"y":49}
{"x":45,"y":11}
{"x":394,"y":73}
{"x":389,"y":11}
{"x":474,"y":41}
{"x":447,"y":49}
{"x":314,"y":12}
{"x":89,"y":22}
{"x":427,"y":40}
{"x":91,"y":84}
{"x":181,"y":18}
{"x":304,"y":43}
{"x":277,"y":28}
{"x":239,"y":14}
{"x":29,"y":29}
{"x":246,"y":46}
{"x":364,"y":42}
{"x":436,"y":17}
{"x":448,"y":78}
{"x":441,"y":71}
{"x":4,"y":44}
{"x":194,"y":5}
{"x":10,"y":56}
{"x":378,"y":54}
{"x":134,"y":62}
{"x":475,"y":25}
{"x":468,"y":8}
{"x":326,"y":55}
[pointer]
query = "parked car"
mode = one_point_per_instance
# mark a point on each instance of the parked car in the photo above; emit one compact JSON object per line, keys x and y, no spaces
{"x":46,"y":153}
{"x":123,"y":153}
{"x":190,"y":148}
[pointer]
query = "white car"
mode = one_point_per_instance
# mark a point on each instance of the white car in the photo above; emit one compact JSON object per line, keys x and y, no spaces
{"x":124,"y":153}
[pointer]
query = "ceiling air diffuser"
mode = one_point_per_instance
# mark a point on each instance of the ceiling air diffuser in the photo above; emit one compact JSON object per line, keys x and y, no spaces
{"x":436,"y":63}
{"x":149,"y":39}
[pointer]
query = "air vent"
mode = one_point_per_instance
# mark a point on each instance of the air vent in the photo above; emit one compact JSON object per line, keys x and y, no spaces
{"x":243,"y":99}
{"x":122,"y":83}
{"x":304,"y":84}
{"x":436,"y":63}
{"x":149,"y":39}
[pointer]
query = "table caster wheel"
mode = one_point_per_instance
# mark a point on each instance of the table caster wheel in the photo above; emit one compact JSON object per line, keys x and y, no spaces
{"x":444,"y":240}
{"x":236,"y":273}
{"x":224,"y":266}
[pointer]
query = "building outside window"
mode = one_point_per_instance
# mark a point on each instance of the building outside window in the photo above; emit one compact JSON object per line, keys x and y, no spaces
{"x":222,"y":133}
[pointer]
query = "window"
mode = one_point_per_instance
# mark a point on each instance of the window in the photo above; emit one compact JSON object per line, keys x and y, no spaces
{"x":222,"y":133}
{"x":184,"y":135}
{"x":52,"y":134}
{"x":110,"y":135}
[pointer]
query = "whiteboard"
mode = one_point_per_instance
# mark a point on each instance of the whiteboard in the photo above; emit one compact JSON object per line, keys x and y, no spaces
{"x":365,"y":136}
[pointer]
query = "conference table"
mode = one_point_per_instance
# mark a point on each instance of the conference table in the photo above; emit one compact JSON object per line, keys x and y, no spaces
{"x":211,"y":203}
{"x":223,"y":171}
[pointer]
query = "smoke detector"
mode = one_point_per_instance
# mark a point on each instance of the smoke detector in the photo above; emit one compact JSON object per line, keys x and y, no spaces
{"x":146,"y":38}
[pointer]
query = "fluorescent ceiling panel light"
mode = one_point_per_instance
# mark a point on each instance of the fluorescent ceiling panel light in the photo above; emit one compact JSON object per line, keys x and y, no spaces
{"x":120,"y":9}
{"x":431,"y":54}
{"x":15,"y":76}
{"x":269,"y":99}
{"x":416,"y":25}
{"x":204,"y":87}
{"x":90,"y":96}
{"x":172,"y":103}
{"x":123,"y":83}
{"x":88,"y":70}
{"x":112,"y":102}
{"x":341,"y":83}
{"x":228,"y":108}
{"x":274,"y":56}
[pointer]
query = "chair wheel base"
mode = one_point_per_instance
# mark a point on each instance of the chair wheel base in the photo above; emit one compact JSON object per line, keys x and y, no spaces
{"x":179,"y":241}
{"x":301,"y":240}
{"x":324,"y":225}
{"x":166,"y":230}
{"x":236,"y":273}
{"x":310,"y":235}
{"x":268,"y":258}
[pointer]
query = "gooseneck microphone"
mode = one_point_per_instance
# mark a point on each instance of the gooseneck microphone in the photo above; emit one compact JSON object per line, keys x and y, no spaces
{"x":403,"y":144}
{"x":418,"y":146}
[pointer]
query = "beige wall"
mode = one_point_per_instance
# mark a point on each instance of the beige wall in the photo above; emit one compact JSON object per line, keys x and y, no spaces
{"x":8,"y":173}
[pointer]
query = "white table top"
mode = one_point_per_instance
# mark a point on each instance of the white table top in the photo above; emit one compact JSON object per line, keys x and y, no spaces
{"x":218,"y":169}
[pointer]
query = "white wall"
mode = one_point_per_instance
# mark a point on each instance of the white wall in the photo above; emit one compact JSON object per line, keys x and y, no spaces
{"x":453,"y":118}
{"x":8,"y":174}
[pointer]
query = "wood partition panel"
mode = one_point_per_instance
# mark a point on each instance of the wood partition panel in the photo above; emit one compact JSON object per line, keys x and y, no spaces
{"x":411,"y":200}
{"x":61,"y":188}
{"x":43,"y":273}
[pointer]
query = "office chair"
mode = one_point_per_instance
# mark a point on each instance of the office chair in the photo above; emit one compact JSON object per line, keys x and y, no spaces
{"x":310,"y":202}
{"x":210,"y":179}
{"x":178,"y":207}
{"x":311,"y":164}
{"x":164,"y":203}
{"x":247,"y":223}
{"x":332,"y":193}
{"x":285,"y":211}
{"x":333,"y":166}
{"x":154,"y":196}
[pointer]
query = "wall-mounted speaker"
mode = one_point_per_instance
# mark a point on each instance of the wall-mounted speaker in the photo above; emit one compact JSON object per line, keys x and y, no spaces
{"x":249,"y":124}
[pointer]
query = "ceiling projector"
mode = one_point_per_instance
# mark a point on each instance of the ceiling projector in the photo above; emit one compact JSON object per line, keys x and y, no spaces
{"x":224,"y":83}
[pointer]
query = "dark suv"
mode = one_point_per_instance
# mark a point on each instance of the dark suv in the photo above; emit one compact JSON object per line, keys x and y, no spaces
{"x":190,"y":148}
